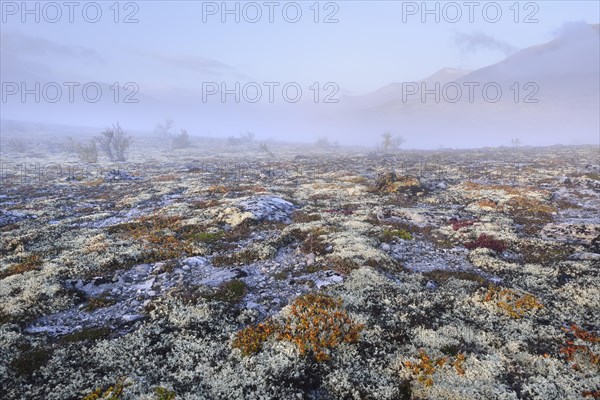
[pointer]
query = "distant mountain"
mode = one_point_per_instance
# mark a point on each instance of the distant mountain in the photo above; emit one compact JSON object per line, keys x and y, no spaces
{"x":560,"y":81}
{"x":566,"y":66}
{"x":393,"y":91}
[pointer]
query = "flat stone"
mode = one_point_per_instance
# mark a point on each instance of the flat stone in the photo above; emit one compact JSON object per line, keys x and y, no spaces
{"x":131,"y":317}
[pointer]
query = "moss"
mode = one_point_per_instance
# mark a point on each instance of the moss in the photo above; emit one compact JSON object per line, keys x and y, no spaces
{"x":566,"y":205}
{"x":342,"y":265}
{"x":487,"y":203}
{"x":532,"y":214}
{"x":90,"y":334}
{"x":243,"y":257}
{"x":204,"y":204}
{"x":450,"y":349}
{"x":9,"y":227}
{"x":400,"y":200}
{"x":158,"y":235}
{"x":6,"y":318}
{"x":281,"y":275}
{"x":218,"y":189}
{"x":544,"y":253}
{"x":205,"y":237}
{"x":390,"y":234}
{"x":114,"y":264}
{"x":442,"y":276}
{"x":163,"y":394}
{"x":30,"y":361}
{"x":230,"y":292}
{"x":392,"y":183}
{"x":313,"y":243}
{"x":301,"y":217}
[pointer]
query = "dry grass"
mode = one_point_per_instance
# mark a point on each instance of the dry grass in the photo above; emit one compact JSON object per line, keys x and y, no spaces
{"x":32,"y":262}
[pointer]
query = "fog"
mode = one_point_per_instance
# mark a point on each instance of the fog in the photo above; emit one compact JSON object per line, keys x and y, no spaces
{"x":345,"y":71}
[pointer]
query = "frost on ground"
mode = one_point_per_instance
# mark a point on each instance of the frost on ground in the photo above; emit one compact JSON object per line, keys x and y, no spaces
{"x":323,"y":276}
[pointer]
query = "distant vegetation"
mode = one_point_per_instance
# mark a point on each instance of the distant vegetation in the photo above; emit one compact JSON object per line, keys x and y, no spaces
{"x":244,"y":138}
{"x":87,"y":152}
{"x":178,"y":141}
{"x":389,"y":143}
{"x":114,"y":142}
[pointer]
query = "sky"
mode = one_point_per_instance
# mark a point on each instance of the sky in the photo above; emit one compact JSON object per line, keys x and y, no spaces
{"x":171,"y":50}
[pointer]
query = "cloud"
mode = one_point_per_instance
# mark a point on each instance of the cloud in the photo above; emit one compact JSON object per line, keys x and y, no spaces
{"x":476,"y":41}
{"x":198,"y":64}
{"x":16,"y":44}
{"x":576,"y":29}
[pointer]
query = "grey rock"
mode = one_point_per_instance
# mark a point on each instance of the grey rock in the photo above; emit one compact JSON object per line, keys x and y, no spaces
{"x":119,"y":175}
{"x":131,"y":317}
{"x":268,"y":208}
{"x":585,"y":256}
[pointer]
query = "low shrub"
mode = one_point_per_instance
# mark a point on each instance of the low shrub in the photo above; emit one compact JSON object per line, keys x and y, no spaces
{"x":515,"y":305}
{"x":113,"y":392}
{"x":30,"y":263}
{"x":316,"y":324}
{"x":487,"y":242}
{"x":427,"y":366}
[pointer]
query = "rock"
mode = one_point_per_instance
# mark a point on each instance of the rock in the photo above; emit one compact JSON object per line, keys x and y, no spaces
{"x":385,"y":247}
{"x":310,"y":259}
{"x":564,"y":278}
{"x":268,"y":208}
{"x":12,"y":217}
{"x":565,"y":180}
{"x":239,"y":273}
{"x":584,"y":256}
{"x":595,"y":244}
{"x":100,"y":280}
{"x":131,"y":317}
{"x":430,"y":285}
{"x":328,"y":278}
{"x":119,"y":175}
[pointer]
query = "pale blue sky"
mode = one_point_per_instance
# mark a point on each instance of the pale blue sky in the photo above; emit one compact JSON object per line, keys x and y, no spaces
{"x":170,"y":47}
{"x":170,"y":52}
